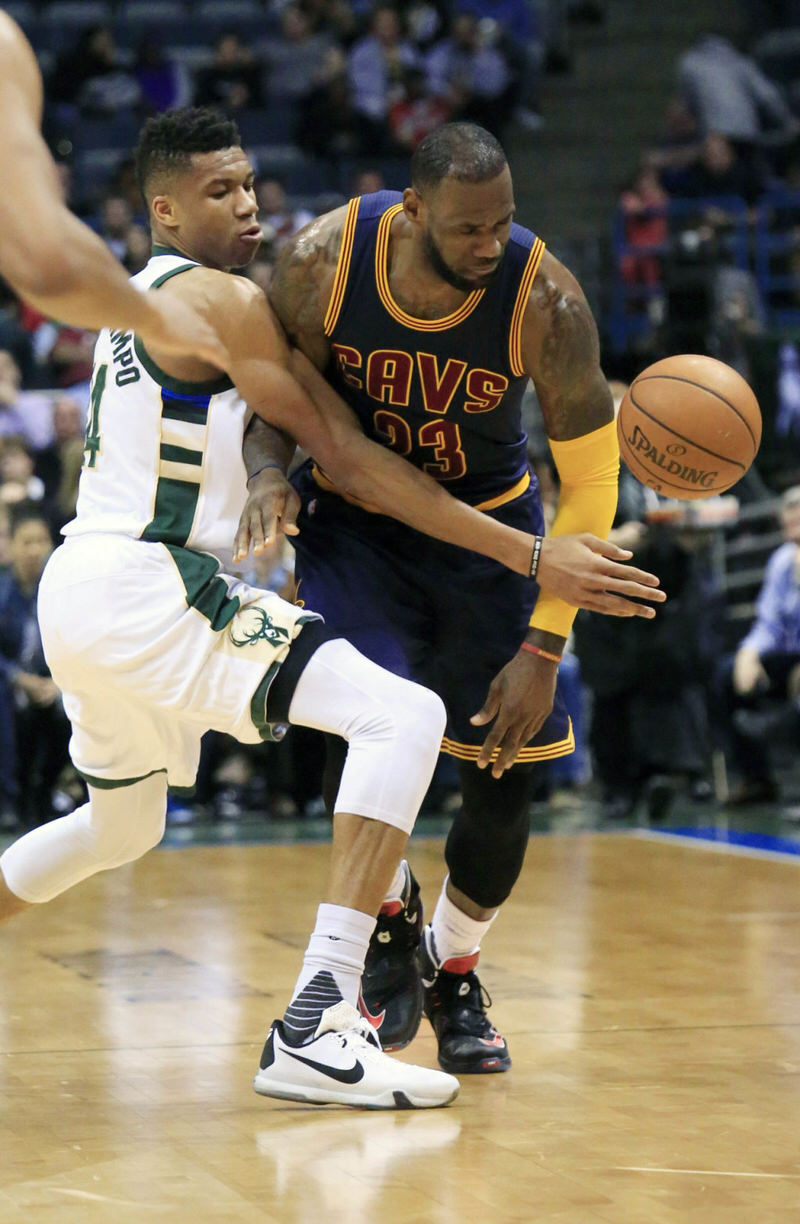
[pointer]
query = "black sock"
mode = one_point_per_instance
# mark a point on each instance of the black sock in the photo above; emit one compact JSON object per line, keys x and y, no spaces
{"x":305,"y":1010}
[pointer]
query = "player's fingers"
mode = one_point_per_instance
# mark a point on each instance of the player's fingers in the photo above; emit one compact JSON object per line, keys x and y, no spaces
{"x":241,"y":541}
{"x":489,"y":708}
{"x":629,"y":573}
{"x":257,"y":534}
{"x":615,"y":605}
{"x":512,"y":746}
{"x":605,"y":547}
{"x":291,"y":509}
{"x":637,"y":590}
{"x":492,"y":741}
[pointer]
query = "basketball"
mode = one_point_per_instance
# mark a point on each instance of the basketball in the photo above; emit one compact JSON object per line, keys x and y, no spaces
{"x":689,"y":427}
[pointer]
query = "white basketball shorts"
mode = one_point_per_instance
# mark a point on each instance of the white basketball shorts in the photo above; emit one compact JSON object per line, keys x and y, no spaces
{"x":151,"y":647}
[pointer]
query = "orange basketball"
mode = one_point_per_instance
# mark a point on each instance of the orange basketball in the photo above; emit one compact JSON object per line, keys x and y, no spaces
{"x":689,"y":427}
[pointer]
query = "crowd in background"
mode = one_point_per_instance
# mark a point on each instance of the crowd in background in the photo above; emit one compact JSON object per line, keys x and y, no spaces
{"x":356,"y":86}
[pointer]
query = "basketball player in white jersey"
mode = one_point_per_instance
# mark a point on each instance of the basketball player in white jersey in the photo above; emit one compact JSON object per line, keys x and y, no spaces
{"x":47,"y":255}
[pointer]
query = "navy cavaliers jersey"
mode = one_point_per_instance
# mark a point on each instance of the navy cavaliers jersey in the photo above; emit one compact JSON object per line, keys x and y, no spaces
{"x":444,"y":393}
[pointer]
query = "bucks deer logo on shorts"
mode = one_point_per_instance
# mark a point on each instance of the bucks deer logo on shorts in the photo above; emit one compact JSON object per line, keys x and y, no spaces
{"x":253,"y":625}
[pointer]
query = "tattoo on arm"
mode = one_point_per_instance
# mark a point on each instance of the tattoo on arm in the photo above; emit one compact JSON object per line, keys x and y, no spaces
{"x":303,"y":279}
{"x":572,"y":390}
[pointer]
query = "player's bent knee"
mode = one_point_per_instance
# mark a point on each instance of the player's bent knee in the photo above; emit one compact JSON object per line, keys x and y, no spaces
{"x":124,"y":823}
{"x":423,"y":719}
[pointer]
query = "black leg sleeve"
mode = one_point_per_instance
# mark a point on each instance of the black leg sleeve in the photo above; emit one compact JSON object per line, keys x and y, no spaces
{"x":486,"y":845}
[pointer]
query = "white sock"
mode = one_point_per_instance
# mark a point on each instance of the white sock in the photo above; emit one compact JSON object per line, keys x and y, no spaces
{"x":331,"y":970}
{"x":455,"y":933}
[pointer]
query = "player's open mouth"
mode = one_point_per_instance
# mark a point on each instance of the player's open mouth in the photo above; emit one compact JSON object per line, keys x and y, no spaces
{"x":252,"y":235}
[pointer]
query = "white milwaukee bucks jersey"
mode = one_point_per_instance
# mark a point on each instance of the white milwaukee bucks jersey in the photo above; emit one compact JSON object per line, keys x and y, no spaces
{"x":163,"y":458}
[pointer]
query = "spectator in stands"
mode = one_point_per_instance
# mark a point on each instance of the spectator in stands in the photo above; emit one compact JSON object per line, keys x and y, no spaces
{"x":721,"y":171}
{"x":25,"y":414}
{"x":293,"y":57}
{"x":417,"y":113}
{"x":5,"y":537}
{"x":116,"y":216}
{"x":366,"y":182}
{"x":18,"y":480}
{"x":233,"y":80}
{"x":276,"y":214}
{"x":137,"y":248}
{"x":34,"y":730}
{"x":521,"y":37}
{"x":678,"y":148}
{"x":93,"y":76}
{"x":760,"y":683}
{"x":728,"y":93}
{"x":14,"y":338}
{"x":644,"y":205}
{"x":329,"y":126}
{"x":163,"y":82}
{"x":376,"y":66}
{"x":474,"y":78}
{"x":335,"y":18}
{"x":58,"y":465}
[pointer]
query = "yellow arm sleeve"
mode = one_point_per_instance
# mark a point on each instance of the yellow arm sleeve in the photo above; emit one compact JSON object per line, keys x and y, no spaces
{"x":588,"y":468}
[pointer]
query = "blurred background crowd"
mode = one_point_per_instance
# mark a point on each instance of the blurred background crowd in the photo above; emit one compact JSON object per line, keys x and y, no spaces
{"x":686,"y":240}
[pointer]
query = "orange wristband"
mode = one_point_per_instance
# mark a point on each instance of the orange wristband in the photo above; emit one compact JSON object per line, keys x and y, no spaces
{"x":537,"y":650}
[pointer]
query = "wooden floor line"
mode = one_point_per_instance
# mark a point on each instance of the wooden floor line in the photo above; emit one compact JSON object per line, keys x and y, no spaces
{"x":721,"y":847}
{"x":508,"y":1029}
{"x":136,"y":1049}
{"x":708,"y":1172}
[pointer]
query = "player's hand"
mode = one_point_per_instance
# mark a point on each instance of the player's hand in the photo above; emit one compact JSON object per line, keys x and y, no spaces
{"x":519,"y":700}
{"x":587,"y":572}
{"x":173,"y":326}
{"x":272,"y":505}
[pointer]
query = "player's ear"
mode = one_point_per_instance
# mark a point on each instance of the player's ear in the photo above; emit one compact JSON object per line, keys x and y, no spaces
{"x":163,"y":207}
{"x":412,"y":204}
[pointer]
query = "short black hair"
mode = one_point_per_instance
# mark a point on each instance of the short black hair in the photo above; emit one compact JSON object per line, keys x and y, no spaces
{"x":462,"y":151}
{"x":27,"y":512}
{"x":167,"y":141}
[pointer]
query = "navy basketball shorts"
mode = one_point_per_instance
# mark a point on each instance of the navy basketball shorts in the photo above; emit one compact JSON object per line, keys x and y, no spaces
{"x":440,"y":615}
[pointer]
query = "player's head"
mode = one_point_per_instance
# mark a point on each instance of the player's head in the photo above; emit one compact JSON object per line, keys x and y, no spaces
{"x":198,"y":186}
{"x":462,"y":200}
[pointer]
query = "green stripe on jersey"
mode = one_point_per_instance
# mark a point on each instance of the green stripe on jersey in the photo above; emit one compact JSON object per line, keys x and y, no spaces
{"x":181,"y":454}
{"x":193,"y":415}
{"x":204,"y":589}
{"x":176,"y":503}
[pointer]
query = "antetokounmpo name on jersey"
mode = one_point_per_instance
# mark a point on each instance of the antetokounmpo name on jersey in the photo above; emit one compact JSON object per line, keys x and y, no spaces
{"x":393,"y":376}
{"x":638,"y":441}
{"x":124,"y":358}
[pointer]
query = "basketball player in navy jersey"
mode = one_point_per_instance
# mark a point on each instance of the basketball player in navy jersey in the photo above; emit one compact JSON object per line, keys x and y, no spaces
{"x":428,"y":312}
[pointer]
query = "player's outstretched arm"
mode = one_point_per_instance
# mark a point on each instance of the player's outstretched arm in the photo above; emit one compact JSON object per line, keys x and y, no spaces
{"x":325,"y":427}
{"x":47,"y":255}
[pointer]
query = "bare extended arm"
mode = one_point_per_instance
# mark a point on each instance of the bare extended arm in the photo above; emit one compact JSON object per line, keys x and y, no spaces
{"x":50,"y":257}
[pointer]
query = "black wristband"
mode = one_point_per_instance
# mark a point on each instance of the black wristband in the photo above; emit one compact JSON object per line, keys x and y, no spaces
{"x":272,"y":463}
{"x":538,"y":541}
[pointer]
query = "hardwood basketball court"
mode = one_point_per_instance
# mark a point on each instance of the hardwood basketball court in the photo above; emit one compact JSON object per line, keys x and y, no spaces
{"x":649,"y":988}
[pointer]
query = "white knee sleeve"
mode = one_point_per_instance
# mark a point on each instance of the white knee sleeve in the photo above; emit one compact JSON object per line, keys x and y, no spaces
{"x":114,"y":827}
{"x":393,"y":727}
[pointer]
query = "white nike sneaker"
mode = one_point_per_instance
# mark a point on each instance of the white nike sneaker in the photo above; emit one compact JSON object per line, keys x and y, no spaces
{"x":343,"y":1064}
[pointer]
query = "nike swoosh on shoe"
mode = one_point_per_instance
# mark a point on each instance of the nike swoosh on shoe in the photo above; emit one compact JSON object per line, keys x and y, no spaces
{"x":377,"y":1020}
{"x":344,"y":1075}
